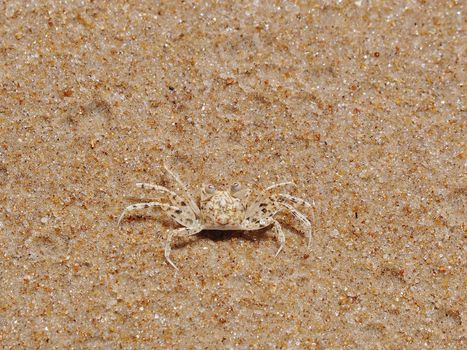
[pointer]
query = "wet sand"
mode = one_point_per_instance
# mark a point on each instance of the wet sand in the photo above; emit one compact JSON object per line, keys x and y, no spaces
{"x":360,"y":103}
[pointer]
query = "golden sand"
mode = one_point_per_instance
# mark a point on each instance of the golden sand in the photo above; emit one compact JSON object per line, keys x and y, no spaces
{"x":361,"y":103}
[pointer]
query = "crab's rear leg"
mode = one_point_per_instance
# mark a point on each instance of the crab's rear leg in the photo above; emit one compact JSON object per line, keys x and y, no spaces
{"x":261,"y":214}
{"x":181,"y":232}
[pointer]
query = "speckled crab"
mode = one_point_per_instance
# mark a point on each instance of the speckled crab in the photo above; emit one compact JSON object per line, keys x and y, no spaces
{"x":224,"y":210}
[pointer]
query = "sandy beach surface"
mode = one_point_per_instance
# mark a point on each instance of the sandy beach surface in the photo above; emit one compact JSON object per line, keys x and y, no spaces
{"x":360,"y":103}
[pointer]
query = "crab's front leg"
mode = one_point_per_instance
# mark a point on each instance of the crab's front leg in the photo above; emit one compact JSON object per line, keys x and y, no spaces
{"x":303,"y":220}
{"x":166,"y":207}
{"x":187,"y":193}
{"x":174,"y":198}
{"x":260,"y":215}
{"x":293,"y":199}
{"x":264,"y":222}
{"x":181,"y":232}
{"x":184,"y":216}
{"x":188,"y":212}
{"x":281,"y":199}
{"x":280,"y":236}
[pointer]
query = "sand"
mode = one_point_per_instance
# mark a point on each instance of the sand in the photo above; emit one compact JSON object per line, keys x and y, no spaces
{"x":361,"y":103}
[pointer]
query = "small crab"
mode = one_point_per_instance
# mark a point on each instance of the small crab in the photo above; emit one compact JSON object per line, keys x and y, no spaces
{"x":223,"y":210}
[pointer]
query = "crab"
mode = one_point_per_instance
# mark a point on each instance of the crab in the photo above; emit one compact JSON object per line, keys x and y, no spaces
{"x":223,"y":210}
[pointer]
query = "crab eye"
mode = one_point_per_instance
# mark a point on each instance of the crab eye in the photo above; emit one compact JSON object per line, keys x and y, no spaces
{"x":235,"y":187}
{"x":210,"y":189}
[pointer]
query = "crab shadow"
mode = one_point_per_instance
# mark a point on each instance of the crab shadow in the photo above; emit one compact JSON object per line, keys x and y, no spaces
{"x":219,"y":236}
{"x":264,"y":234}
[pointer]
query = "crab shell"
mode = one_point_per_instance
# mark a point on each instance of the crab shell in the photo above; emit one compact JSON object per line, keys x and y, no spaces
{"x":222,"y":210}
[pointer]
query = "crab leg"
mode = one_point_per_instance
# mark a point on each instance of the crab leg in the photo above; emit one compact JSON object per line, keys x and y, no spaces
{"x":280,"y":236}
{"x":295,"y":200}
{"x":155,"y":187}
{"x":183,"y":187}
{"x":183,"y":231}
{"x":302,"y":218}
{"x":174,"y":197}
{"x":263,"y":195}
{"x":169,"y":208}
{"x":287,"y":183}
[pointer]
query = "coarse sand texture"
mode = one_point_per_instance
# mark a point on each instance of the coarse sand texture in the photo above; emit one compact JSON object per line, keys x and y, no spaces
{"x":361,"y":104}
